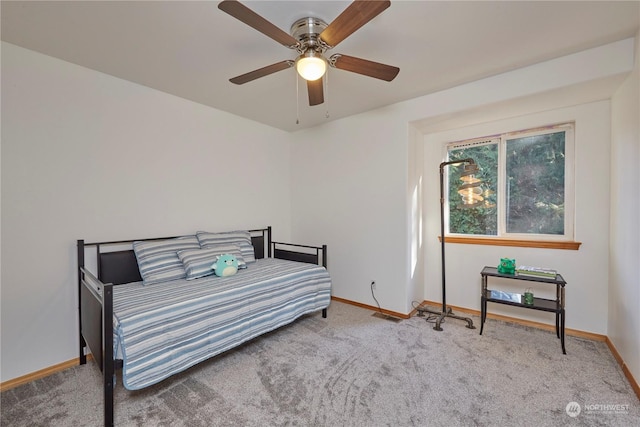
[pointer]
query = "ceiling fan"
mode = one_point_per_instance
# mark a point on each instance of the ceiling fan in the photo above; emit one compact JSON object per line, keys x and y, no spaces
{"x":311,"y":38}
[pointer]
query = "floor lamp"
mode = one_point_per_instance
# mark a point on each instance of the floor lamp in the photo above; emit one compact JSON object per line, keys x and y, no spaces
{"x":471,"y":197}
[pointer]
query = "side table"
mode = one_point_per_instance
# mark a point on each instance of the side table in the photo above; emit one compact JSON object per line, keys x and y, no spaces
{"x":514,"y":299}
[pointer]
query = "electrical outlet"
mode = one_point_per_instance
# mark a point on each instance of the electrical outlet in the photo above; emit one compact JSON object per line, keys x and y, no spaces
{"x":373,"y":285}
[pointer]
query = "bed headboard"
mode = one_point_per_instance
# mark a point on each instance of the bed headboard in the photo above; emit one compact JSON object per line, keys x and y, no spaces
{"x":118,"y":267}
{"x":121,"y":266}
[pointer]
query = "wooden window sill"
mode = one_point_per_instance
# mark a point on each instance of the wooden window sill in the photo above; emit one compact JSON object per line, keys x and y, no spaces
{"x":547,"y":244}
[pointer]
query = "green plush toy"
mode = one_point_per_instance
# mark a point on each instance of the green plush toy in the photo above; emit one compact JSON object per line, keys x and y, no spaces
{"x":507,"y":266}
{"x":226,"y":265}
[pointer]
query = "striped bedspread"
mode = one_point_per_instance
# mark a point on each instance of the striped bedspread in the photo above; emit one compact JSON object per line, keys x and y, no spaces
{"x":165,"y":328}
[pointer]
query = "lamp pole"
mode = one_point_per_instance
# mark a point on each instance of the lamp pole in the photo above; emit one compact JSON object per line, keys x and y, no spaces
{"x":446,"y":312}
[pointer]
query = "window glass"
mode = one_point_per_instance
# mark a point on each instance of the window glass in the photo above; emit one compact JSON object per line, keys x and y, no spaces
{"x":535,"y":184}
{"x":476,"y":221}
{"x":527,"y":185}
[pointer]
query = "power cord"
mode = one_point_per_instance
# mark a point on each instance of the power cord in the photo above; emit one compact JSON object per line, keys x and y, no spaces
{"x":380,"y":313}
{"x":431,"y":317}
{"x":373,"y":283}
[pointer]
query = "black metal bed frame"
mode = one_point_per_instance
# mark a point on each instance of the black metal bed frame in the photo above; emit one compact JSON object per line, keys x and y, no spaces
{"x":95,"y":295}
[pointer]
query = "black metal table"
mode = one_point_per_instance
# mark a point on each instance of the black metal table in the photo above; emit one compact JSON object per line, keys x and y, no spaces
{"x":551,"y":305}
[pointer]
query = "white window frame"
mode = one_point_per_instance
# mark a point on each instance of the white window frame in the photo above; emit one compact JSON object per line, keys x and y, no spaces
{"x":569,"y":181}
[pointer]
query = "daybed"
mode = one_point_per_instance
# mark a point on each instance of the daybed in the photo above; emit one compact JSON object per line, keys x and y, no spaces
{"x":153,"y":310}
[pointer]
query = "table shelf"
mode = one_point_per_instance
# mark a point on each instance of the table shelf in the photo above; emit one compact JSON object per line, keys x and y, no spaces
{"x":542,"y":304}
{"x":517,"y":300}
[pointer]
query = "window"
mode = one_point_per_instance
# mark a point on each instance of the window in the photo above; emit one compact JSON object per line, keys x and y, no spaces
{"x":528,"y":185}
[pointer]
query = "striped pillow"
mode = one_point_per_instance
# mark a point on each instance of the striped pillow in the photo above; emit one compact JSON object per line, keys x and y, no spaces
{"x":240,"y":238}
{"x":197,"y":262}
{"x":158,"y":259}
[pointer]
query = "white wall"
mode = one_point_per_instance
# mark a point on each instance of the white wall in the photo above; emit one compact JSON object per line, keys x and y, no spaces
{"x":86,"y":155}
{"x":353,"y":179}
{"x":585,"y":270}
{"x":349,"y":186}
{"x":624,"y":277}
{"x":349,"y":183}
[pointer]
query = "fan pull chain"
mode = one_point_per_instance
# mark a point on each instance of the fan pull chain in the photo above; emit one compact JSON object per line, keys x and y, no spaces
{"x":326,"y":91}
{"x":297,"y":99}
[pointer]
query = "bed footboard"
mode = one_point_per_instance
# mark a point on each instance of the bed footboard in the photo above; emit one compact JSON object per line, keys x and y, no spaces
{"x":95,"y":311}
{"x":301,"y":253}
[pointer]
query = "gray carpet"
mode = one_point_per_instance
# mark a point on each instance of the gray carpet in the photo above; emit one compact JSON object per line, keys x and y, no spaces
{"x":353,"y":369}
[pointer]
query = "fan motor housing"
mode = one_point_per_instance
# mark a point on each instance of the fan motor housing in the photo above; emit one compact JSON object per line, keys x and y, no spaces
{"x":307,"y":30}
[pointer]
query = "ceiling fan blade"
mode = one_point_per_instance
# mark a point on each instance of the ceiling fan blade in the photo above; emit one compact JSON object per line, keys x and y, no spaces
{"x":316,"y":93}
{"x":353,"y":17}
{"x":261,"y":72}
{"x":252,"y":19}
{"x":364,"y":67}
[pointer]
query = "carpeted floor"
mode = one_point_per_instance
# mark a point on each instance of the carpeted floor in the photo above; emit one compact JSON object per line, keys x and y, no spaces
{"x":353,"y":369}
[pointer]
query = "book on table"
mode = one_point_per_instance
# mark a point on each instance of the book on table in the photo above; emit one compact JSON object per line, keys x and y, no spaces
{"x":505,"y":296}
{"x":526,"y":270}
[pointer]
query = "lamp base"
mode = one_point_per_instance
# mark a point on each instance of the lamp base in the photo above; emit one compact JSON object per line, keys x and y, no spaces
{"x":442,"y":314}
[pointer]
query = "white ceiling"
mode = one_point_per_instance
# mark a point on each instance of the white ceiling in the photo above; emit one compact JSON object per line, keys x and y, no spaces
{"x":190,"y":48}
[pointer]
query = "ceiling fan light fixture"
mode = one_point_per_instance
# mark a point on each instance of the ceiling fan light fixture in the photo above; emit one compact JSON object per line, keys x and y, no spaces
{"x":311,"y":37}
{"x":311,"y":65}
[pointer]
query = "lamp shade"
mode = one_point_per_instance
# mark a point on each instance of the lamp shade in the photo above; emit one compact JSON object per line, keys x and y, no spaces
{"x":470,"y":190}
{"x":311,"y":66}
